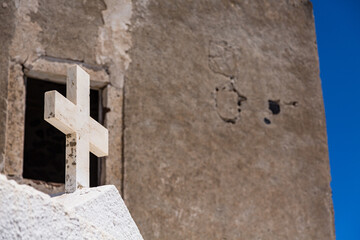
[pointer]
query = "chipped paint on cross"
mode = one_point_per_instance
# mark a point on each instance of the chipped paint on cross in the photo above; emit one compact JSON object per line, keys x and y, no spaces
{"x":71,"y":115}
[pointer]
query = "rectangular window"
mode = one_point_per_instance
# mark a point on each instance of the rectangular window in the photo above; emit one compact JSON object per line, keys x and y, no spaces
{"x":44,"y":146}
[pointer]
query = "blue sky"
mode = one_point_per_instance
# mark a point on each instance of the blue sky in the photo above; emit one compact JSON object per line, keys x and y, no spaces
{"x":338,"y":37}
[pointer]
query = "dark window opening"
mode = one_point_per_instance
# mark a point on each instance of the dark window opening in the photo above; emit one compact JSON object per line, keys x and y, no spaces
{"x":44,"y":146}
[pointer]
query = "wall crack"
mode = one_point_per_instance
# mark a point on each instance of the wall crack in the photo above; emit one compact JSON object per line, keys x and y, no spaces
{"x":228,"y":102}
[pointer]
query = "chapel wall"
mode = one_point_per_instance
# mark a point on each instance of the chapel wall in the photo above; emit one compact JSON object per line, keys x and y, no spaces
{"x":225,"y":134}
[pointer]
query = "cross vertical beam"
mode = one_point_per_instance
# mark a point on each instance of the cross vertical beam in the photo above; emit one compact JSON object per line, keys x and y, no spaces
{"x":83,"y":134}
{"x":77,"y":143}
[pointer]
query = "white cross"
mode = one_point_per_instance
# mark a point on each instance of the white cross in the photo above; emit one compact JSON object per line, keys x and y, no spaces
{"x":71,"y":115}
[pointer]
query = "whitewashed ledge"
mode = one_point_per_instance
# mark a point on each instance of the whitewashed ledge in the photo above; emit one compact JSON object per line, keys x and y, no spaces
{"x":95,"y":213}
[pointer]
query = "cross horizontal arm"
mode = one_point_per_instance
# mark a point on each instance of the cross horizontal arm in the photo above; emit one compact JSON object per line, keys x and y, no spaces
{"x":60,"y":112}
{"x":98,"y":138}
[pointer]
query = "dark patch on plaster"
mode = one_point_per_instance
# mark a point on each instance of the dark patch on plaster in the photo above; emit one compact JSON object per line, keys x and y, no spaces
{"x":274,"y":106}
{"x":292,"y":103}
{"x":267,"y":121}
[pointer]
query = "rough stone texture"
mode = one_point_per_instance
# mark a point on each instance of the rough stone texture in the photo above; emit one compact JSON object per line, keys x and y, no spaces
{"x":56,"y":70}
{"x":103,"y":207}
{"x":7,"y":26}
{"x":15,"y":121}
{"x":29,"y":214}
{"x":25,"y":45}
{"x":113,"y":101}
{"x":207,"y":156}
{"x":45,"y":187}
{"x":96,"y":213}
{"x":112,"y":51}
{"x":57,"y":33}
{"x":115,"y":40}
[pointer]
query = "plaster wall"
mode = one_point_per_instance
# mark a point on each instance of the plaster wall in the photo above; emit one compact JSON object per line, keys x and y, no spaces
{"x":209,"y":156}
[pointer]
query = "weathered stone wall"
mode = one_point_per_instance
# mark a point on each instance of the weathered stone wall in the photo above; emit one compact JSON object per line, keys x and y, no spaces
{"x":69,"y":29}
{"x":41,"y":39}
{"x":7,"y":26}
{"x":225,"y":132}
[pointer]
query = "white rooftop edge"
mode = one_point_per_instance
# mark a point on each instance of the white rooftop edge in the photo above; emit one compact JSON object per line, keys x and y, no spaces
{"x":92,"y":213}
